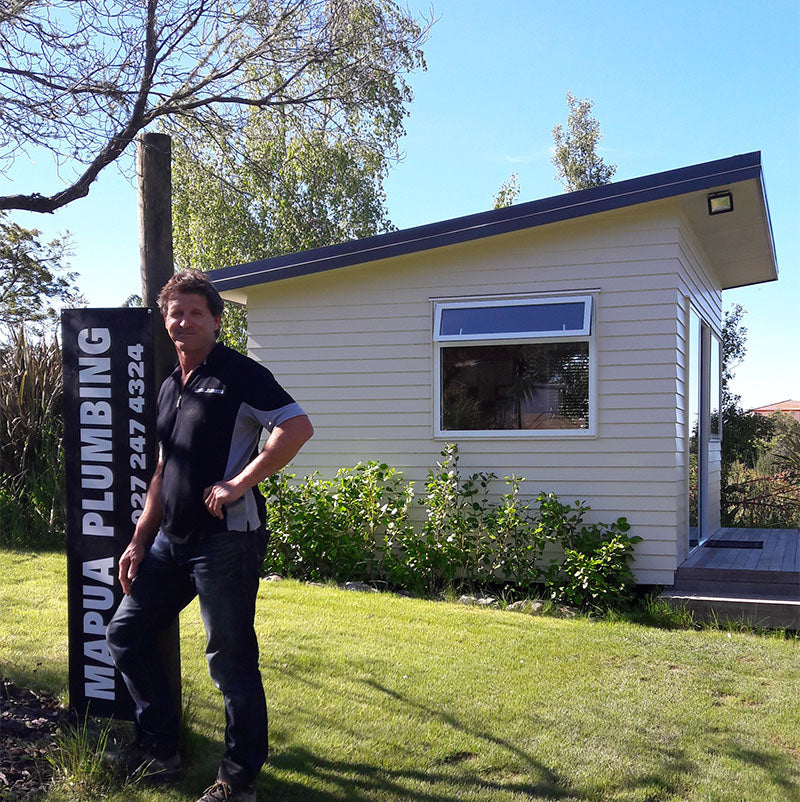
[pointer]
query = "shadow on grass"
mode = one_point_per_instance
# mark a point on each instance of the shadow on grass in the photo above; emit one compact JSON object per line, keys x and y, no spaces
{"x":781,"y":769}
{"x":294,"y":773}
{"x":362,"y":781}
{"x":452,"y":779}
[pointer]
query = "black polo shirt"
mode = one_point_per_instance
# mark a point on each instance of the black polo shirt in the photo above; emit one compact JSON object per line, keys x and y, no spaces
{"x":209,"y":430}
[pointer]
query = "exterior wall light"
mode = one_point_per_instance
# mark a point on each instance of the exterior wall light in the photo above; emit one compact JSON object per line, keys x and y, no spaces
{"x":720,"y":202}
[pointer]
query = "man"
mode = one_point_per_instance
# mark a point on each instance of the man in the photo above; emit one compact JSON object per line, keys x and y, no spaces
{"x":201,"y":534}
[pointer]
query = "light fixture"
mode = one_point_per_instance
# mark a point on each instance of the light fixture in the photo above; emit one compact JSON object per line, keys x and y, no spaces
{"x":720,"y":202}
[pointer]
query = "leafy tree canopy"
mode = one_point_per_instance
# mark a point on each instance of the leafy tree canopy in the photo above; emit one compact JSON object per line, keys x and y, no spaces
{"x":508,"y":194}
{"x":82,"y":79}
{"x":577,"y":163}
{"x":33,"y":275}
{"x":734,"y":348}
{"x":282,"y":182}
{"x":743,"y":433}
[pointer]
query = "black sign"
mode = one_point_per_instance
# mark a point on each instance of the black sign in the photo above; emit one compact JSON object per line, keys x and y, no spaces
{"x":109,"y":445}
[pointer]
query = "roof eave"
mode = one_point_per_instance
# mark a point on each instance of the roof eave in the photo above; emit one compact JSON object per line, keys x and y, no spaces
{"x":557,"y":208}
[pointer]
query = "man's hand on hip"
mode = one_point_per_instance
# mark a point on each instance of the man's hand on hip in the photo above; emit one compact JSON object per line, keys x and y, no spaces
{"x":219,"y":494}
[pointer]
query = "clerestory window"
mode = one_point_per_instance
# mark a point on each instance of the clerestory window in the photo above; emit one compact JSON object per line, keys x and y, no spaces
{"x":514,"y":366}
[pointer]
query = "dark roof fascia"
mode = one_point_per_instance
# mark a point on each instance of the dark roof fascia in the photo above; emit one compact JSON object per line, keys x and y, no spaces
{"x":557,"y":208}
{"x":768,"y":221}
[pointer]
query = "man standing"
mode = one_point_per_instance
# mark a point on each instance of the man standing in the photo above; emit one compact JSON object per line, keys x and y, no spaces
{"x":201,"y":533}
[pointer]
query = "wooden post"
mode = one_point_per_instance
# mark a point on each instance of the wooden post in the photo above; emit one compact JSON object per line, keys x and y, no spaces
{"x":154,"y":170}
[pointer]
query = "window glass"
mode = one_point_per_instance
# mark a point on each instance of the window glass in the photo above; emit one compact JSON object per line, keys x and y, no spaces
{"x":521,"y":386}
{"x":694,"y":354}
{"x":715,"y":368}
{"x":514,"y":319}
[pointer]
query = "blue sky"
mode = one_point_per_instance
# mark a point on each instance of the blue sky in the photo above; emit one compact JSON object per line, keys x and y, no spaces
{"x":674,"y":84}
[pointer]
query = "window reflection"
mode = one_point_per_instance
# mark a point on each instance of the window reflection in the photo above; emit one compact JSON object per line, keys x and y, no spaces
{"x":523,"y":386}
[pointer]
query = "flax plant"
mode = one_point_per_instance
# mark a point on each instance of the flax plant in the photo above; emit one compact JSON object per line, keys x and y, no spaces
{"x":31,"y":430}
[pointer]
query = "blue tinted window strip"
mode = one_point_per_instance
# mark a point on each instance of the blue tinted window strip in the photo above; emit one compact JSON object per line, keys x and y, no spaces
{"x":533,"y":318}
{"x":518,"y":319}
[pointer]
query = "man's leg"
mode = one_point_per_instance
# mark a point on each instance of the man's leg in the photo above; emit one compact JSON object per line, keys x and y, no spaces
{"x":162,"y":588}
{"x":227,"y":578}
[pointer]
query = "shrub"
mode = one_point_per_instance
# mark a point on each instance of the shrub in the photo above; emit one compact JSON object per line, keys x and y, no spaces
{"x":520,"y":539}
{"x":370,"y":511}
{"x":298,"y":521}
{"x":465,"y":537}
{"x":335,"y":528}
{"x":756,"y":498}
{"x":760,"y":469}
{"x":357,"y":526}
{"x":32,"y":495}
{"x":456,"y":532}
{"x":594,"y":573}
{"x":761,"y":483}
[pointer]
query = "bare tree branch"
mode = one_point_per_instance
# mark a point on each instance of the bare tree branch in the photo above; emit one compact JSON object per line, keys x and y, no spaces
{"x":82,"y":79}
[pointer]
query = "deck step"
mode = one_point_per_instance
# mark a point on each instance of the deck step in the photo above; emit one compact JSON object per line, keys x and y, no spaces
{"x":746,"y":574}
{"x":721,"y":582}
{"x":768,"y":613}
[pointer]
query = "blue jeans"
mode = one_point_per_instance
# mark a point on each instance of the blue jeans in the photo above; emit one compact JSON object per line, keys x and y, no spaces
{"x":223,"y":571}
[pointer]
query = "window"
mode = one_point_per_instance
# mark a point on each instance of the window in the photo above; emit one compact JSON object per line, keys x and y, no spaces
{"x":514,"y":365}
{"x":715,"y":368}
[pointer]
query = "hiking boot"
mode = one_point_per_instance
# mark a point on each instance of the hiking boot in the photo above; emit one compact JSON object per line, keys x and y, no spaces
{"x":222,"y":792}
{"x":137,"y":763}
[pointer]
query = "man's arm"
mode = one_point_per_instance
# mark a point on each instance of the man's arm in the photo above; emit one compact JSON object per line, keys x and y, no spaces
{"x":145,"y":532}
{"x":283,"y":443}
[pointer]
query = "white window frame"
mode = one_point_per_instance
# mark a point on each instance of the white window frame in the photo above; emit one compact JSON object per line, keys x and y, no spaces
{"x":584,"y":331}
{"x":585,"y":334}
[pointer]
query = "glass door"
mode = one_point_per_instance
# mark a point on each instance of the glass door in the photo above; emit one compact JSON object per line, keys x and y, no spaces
{"x":694,"y":407}
{"x":703,"y":406}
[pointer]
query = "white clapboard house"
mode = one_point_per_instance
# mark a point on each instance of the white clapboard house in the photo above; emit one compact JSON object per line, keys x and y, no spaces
{"x":573,"y":340}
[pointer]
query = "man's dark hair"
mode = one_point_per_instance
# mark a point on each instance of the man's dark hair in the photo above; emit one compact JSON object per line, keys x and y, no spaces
{"x":191,"y":281}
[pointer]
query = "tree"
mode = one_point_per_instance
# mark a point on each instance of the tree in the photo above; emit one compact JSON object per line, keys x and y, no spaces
{"x":279,"y":185}
{"x":508,"y":194}
{"x":287,"y":190}
{"x":33,"y":275}
{"x":760,"y":454}
{"x":82,"y":79}
{"x":742,"y":431}
{"x":734,"y":348}
{"x":576,"y":161}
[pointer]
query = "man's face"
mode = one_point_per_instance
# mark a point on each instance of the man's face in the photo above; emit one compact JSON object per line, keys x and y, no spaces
{"x":190,"y":324}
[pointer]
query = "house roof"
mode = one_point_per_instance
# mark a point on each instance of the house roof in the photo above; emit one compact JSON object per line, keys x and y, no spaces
{"x":739,"y":244}
{"x":781,"y":406}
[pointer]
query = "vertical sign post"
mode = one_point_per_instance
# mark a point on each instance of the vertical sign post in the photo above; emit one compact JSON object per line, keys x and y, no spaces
{"x":110,"y":455}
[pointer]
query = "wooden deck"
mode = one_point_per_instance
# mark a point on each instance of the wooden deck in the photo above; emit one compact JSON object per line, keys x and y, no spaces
{"x":743,"y":573}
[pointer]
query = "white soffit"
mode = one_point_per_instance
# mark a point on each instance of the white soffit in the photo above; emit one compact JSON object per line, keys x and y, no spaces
{"x":739,"y":243}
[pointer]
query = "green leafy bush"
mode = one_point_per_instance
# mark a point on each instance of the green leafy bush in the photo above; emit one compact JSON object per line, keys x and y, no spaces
{"x":594,"y":572}
{"x":357,"y":526}
{"x":339,"y":528}
{"x":456,"y":531}
{"x":465,"y":537}
{"x":520,"y":539}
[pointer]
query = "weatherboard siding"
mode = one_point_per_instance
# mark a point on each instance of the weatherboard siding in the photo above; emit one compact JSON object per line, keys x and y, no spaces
{"x":354,"y":346}
{"x":699,"y":283}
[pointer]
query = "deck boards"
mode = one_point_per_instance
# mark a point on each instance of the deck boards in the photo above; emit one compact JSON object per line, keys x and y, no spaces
{"x":769,"y":572}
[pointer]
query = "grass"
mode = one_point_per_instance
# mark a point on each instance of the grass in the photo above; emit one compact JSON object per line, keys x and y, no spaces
{"x":376,"y":697}
{"x":78,"y":763}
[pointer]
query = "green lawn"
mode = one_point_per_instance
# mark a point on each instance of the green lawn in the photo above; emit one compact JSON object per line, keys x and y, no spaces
{"x":376,"y":697}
